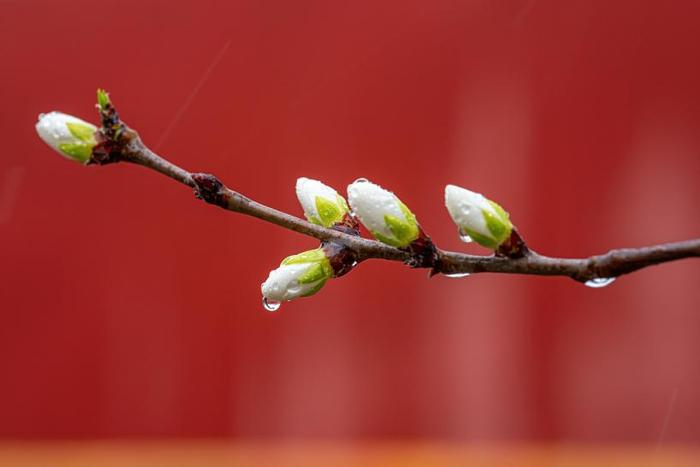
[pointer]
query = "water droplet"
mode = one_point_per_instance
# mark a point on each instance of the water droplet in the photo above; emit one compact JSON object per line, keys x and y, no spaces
{"x":271,"y":305}
{"x":599,"y":282}
{"x":464,"y":236}
{"x":361,"y":180}
{"x":354,"y":263}
{"x":457,"y":275}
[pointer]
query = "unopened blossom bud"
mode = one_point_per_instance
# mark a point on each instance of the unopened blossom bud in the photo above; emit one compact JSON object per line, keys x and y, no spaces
{"x":322,"y":204}
{"x":383,"y":213}
{"x":298,"y":276}
{"x":483,"y":220}
{"x":72,"y":137}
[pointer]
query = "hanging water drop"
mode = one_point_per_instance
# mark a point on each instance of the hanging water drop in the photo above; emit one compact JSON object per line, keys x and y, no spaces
{"x":271,"y":305}
{"x":464,"y":236}
{"x":361,"y":180}
{"x":457,"y":275}
{"x":599,"y":282}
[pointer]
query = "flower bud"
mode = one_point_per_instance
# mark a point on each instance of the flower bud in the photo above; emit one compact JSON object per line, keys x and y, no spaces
{"x":72,"y":137}
{"x":322,"y":204}
{"x":298,"y":276}
{"x":482,"y":219}
{"x":384,"y":215}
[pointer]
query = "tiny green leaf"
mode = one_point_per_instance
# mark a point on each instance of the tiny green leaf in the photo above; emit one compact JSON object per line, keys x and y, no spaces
{"x":328,"y":211}
{"x":403,"y":231}
{"x":314,"y":220}
{"x":498,"y":223}
{"x":495,"y":225}
{"x":80,"y":152}
{"x":315,"y":288}
{"x":103,"y":99}
{"x":315,"y":273}
{"x":306,"y":257}
{"x":501,"y":212}
{"x":85,"y":133}
{"x":410,"y":217}
{"x":342,"y":203}
{"x":388,"y":240}
{"x":482,"y":240}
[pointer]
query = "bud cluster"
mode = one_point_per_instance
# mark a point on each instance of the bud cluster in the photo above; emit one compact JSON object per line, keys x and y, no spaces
{"x":388,"y":220}
{"x":381,"y":212}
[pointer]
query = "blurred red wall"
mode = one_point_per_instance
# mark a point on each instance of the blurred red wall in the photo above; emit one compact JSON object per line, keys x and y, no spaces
{"x":131,"y":309}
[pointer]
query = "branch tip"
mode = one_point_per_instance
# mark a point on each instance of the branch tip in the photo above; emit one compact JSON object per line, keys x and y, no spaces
{"x":103,"y":99}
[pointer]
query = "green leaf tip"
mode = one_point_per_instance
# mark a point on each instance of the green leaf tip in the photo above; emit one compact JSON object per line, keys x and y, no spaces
{"x":103,"y":99}
{"x":83,"y":132}
{"x":310,"y":256}
{"x":328,"y":211}
{"x":79,"y":152}
{"x":404,"y":231}
{"x":319,"y":271}
{"x":498,"y":223}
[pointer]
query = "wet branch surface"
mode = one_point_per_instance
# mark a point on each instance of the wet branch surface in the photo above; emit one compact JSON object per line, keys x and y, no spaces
{"x":118,"y":143}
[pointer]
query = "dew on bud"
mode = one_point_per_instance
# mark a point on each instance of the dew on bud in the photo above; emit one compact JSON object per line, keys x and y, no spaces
{"x":599,"y":282}
{"x":464,"y":236}
{"x":361,"y":180}
{"x":271,"y":305}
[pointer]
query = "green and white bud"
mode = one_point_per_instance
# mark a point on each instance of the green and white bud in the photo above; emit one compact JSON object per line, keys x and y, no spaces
{"x":71,"y":137}
{"x":322,"y":204}
{"x":483,"y":220}
{"x":383,"y":213}
{"x":298,"y":276}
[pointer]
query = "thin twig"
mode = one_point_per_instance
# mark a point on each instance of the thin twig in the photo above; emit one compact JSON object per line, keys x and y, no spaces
{"x":127,"y":146}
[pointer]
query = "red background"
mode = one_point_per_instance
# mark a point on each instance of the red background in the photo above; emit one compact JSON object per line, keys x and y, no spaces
{"x":128,"y":308}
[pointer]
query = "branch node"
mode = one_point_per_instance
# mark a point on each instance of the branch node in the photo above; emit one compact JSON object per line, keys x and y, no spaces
{"x":514,"y":247}
{"x":349,"y":225}
{"x":342,"y":258}
{"x":424,"y":254}
{"x":209,"y":188}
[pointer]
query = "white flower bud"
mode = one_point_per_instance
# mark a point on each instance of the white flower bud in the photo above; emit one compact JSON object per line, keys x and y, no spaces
{"x":322,"y":204}
{"x":482,"y":219}
{"x":72,"y":137}
{"x":384,"y":215}
{"x":298,"y":276}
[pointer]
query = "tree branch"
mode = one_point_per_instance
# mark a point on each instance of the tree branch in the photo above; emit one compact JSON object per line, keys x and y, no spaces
{"x":118,"y":143}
